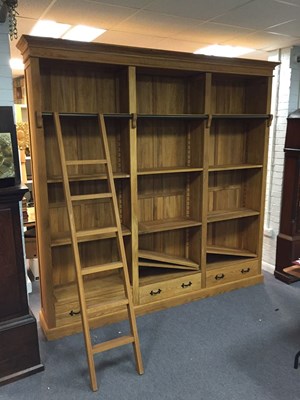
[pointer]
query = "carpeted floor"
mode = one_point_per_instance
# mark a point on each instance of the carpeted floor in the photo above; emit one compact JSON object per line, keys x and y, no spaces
{"x":235,"y":346}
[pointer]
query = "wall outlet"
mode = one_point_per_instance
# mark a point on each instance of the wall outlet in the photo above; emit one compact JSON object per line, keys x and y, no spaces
{"x":268,"y":232}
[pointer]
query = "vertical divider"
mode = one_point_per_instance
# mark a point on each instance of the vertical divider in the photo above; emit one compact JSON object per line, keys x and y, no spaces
{"x":34,"y":90}
{"x":133,"y":183}
{"x":264,"y":176}
{"x":206,"y":133}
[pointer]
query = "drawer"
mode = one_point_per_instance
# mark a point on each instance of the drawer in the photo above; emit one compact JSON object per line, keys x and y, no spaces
{"x":30,"y":247}
{"x":169,"y":288}
{"x":219,"y":276}
{"x":69,"y":313}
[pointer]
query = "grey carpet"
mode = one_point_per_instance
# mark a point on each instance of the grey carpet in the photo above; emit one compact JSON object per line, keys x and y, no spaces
{"x":235,"y":346}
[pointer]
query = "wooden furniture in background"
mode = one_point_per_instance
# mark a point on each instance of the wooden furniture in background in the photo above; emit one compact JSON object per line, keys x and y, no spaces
{"x":188,"y":138}
{"x":288,"y":239}
{"x":30,"y":235}
{"x":293,"y":271}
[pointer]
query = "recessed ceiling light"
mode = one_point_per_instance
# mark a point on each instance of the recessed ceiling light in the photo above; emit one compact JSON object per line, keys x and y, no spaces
{"x":83,"y":33}
{"x":48,"y":28}
{"x":223,"y":51}
{"x":16,"y":64}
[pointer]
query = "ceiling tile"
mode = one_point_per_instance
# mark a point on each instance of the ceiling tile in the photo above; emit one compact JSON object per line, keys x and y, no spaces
{"x":87,"y":13}
{"x":293,"y":2}
{"x":152,"y":23}
{"x":260,"y":14}
{"x":202,"y":10}
{"x":24,"y":26}
{"x":263,"y":41}
{"x":211,"y":32}
{"x":289,"y":28}
{"x":257,"y":55}
{"x":32,"y":8}
{"x":128,"y":3}
{"x":128,"y":39}
{"x":175,"y":24}
{"x":179,"y":45}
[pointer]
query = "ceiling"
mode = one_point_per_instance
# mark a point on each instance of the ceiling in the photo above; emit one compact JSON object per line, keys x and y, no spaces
{"x":181,"y":25}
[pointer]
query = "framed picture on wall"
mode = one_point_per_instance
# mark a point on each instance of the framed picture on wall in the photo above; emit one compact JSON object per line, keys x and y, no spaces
{"x":9,"y":156}
{"x":7,"y":166}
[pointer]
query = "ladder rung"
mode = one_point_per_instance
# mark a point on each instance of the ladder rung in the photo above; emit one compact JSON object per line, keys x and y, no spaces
{"x":86,"y":162}
{"x":91,"y":196}
{"x":101,"y":268}
{"x":96,"y":232}
{"x":111,"y":344}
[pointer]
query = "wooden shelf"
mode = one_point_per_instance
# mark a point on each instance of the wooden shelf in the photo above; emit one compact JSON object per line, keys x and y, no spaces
{"x":229,"y":251}
{"x":168,"y":259}
{"x":102,"y":294}
{"x":63,"y":239}
{"x":217,"y":168}
{"x":169,"y":170}
{"x":88,"y":115}
{"x":223,"y":215}
{"x":153,"y":264}
{"x":166,"y":225}
{"x":67,"y":293}
{"x":129,"y":116}
{"x":88,"y":177}
{"x":173,"y":116}
{"x":240,"y":116}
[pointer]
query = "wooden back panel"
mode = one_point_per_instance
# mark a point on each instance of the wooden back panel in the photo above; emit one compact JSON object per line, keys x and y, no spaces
{"x":229,"y":190}
{"x":235,"y":94}
{"x":169,"y":94}
{"x":83,"y":87}
{"x":238,"y":233}
{"x":237,"y":141}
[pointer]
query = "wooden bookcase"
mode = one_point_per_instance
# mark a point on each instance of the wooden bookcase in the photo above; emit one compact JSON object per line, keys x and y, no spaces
{"x":188,"y":139}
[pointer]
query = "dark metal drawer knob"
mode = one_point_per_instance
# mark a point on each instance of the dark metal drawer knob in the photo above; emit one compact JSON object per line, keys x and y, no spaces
{"x":219,"y":276}
{"x":245,"y":270}
{"x":185,"y":285}
{"x":154,"y":292}
{"x":74,"y":313}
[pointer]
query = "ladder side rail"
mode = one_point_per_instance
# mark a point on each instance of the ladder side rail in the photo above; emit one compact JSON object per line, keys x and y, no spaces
{"x":131,"y":313}
{"x":80,"y":285}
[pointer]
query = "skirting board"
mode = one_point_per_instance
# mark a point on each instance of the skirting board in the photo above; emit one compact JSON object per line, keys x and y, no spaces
{"x":268,"y":267}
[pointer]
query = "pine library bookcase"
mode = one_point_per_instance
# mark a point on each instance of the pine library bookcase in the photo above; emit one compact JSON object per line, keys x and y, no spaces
{"x":188,"y":138}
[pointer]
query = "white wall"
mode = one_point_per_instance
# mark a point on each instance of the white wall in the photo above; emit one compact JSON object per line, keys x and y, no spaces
{"x":6,"y":84}
{"x":285,"y":99}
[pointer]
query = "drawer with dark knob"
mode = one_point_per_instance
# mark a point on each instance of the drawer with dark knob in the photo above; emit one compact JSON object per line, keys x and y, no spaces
{"x":231,"y":273}
{"x":168,"y":288}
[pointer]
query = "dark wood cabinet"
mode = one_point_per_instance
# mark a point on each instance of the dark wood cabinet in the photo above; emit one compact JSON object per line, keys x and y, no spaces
{"x":288,"y":239}
{"x":13,"y":298}
{"x":19,"y":348}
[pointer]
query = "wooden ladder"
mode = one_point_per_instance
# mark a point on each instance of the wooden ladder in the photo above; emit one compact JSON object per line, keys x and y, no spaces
{"x":116,"y":230}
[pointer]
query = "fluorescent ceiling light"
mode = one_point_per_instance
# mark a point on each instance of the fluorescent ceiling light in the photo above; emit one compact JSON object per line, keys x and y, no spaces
{"x":223,"y":51}
{"x":83,"y":33}
{"x":16,"y":64}
{"x":48,"y":28}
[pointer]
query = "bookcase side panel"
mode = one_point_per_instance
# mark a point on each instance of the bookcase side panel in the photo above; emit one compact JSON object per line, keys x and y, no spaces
{"x":38,"y":159}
